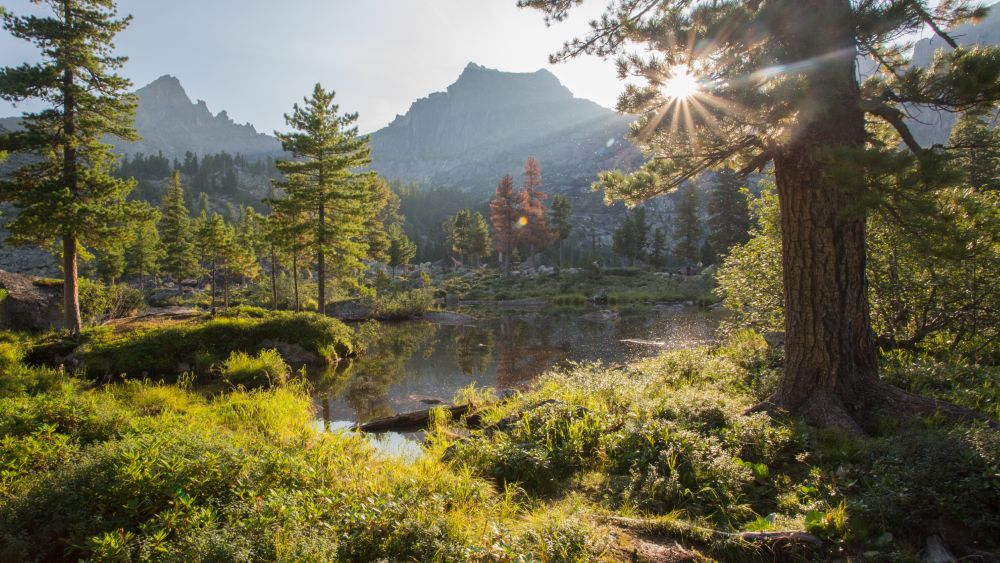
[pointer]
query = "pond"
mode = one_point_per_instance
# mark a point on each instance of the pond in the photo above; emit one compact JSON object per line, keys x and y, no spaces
{"x":416,"y":364}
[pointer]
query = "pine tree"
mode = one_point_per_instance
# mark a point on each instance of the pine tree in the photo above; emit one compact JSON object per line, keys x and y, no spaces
{"x":559,"y":219}
{"x":687,"y":228}
{"x":401,"y":248}
{"x":977,"y":145}
{"x":503,"y":216}
{"x":144,"y":254}
{"x":290,"y":230}
{"x":70,"y":193}
{"x":248,"y":245}
{"x":658,"y":250}
{"x":179,"y":258}
{"x":479,"y":241}
{"x":534,"y":236}
{"x":629,"y":239}
{"x":203,"y":205}
{"x":321,"y":177}
{"x":777,"y":83}
{"x":213,"y":240}
{"x":457,"y":231}
{"x":728,"y":213}
{"x":378,"y":226}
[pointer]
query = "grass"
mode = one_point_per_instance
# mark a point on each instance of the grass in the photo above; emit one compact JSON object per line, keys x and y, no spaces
{"x":267,"y":368}
{"x":624,"y":287}
{"x":144,"y":471}
{"x":150,"y":471}
{"x":164,"y":350}
{"x":666,"y":440}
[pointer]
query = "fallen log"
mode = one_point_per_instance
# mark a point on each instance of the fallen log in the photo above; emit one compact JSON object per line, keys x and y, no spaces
{"x":770,"y":539}
{"x":409,"y":421}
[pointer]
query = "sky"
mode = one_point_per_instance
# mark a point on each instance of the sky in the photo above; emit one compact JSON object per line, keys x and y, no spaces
{"x":255,"y":58}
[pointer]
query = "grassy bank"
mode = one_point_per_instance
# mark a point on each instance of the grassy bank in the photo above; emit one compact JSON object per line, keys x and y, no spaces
{"x":165,"y":347}
{"x":623,"y":287}
{"x":595,"y":463}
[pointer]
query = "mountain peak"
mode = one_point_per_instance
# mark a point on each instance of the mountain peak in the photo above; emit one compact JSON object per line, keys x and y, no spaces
{"x":166,"y":85}
{"x":478,"y":80}
{"x":488,"y":121}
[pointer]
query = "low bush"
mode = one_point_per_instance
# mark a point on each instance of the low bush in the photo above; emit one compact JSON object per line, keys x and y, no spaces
{"x":267,"y":368}
{"x":399,"y":305}
{"x":99,"y":302}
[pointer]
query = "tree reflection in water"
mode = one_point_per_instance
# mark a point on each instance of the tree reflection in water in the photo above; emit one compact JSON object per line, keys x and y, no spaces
{"x":413,"y":365}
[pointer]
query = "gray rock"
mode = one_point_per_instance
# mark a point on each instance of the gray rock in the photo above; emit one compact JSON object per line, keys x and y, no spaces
{"x":294,"y":354}
{"x":352,"y":310}
{"x":29,"y":304}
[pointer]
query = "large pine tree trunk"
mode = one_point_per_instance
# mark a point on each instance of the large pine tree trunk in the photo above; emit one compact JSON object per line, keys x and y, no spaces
{"x":71,"y":295}
{"x":831,"y":370}
{"x":321,"y":260}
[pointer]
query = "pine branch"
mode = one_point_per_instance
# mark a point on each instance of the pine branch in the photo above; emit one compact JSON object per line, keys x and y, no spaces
{"x":894,"y":117}
{"x":929,"y":20}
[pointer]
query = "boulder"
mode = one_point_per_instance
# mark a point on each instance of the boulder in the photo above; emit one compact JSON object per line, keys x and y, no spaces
{"x":351,"y":310}
{"x":29,"y":303}
{"x":534,"y":261}
{"x":293,"y":354}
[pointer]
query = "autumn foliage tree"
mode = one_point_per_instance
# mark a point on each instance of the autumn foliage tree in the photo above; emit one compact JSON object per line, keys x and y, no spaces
{"x":504,"y":217}
{"x":534,"y":235}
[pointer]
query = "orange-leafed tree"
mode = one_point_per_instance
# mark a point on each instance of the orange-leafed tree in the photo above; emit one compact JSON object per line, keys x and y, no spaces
{"x":504,"y":215}
{"x":535,"y":234}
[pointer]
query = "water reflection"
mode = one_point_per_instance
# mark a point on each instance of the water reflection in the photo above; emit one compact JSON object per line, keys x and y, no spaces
{"x":413,"y":365}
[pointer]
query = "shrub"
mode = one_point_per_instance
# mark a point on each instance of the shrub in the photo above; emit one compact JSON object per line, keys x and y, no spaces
{"x":100,"y":302}
{"x":400,"y":304}
{"x":266,"y":368}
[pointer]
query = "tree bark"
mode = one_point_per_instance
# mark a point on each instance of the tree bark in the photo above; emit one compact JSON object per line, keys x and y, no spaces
{"x":831,"y":369}
{"x":321,"y":259}
{"x":213,"y":284}
{"x":274,"y":281}
{"x":71,"y":295}
{"x":295,"y":279}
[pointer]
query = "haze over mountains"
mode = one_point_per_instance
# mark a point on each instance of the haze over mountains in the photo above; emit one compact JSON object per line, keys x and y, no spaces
{"x":488,"y":122}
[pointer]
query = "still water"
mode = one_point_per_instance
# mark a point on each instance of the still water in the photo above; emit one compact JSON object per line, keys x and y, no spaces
{"x":416,"y":364}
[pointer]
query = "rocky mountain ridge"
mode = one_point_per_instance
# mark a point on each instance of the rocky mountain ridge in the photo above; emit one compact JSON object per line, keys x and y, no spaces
{"x":488,"y":122}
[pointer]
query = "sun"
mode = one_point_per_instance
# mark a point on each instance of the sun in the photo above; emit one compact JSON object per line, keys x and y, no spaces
{"x":681,"y":84}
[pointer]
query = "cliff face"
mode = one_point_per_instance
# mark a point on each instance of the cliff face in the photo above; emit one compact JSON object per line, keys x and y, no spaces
{"x":170,"y":123}
{"x":488,"y":122}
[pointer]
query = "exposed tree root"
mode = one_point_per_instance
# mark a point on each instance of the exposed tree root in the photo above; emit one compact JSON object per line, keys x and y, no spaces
{"x":825,"y":410}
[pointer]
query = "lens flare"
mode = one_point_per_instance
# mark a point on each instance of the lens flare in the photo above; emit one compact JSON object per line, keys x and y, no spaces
{"x":681,"y":84}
